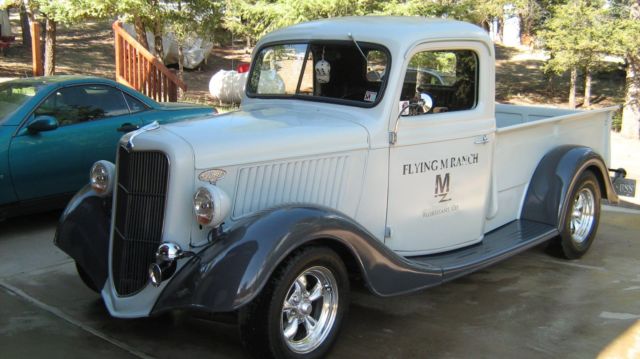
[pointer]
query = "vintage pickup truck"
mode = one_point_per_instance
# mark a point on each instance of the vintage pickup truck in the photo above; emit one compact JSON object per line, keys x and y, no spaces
{"x":365,"y":149}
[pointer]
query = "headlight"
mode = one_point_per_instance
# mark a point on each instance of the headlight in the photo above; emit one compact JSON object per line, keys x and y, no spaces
{"x":101,"y":177}
{"x":210,"y":205}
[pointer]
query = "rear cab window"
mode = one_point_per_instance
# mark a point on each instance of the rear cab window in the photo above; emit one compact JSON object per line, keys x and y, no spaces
{"x":335,"y":71}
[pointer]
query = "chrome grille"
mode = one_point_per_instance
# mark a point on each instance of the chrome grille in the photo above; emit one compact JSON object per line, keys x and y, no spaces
{"x":140,"y":202}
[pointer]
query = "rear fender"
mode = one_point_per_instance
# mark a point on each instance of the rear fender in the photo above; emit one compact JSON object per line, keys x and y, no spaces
{"x":554,"y":178}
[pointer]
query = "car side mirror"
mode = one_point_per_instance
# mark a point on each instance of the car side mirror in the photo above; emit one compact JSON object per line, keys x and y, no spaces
{"x":43,"y":123}
{"x":426,"y":102}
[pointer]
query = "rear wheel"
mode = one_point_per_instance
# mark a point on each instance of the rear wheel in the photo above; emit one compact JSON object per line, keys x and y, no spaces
{"x":299,"y":312}
{"x":582,"y":217}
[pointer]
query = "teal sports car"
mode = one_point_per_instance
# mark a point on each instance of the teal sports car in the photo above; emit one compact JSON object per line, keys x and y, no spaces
{"x":52,"y":129}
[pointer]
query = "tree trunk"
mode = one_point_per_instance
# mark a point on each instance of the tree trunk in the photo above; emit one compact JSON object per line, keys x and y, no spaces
{"x":28,"y":10}
{"x":180,"y":67}
{"x":141,"y":31}
{"x":50,"y":48}
{"x":572,"y":89}
{"x":486,"y":25}
{"x":24,"y":24}
{"x":157,"y":35}
{"x":631,"y":110}
{"x":587,"y":87}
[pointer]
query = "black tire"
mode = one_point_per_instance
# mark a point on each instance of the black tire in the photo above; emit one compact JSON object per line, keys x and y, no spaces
{"x":581,"y":219}
{"x":262,"y":322}
{"x":86,"y":279}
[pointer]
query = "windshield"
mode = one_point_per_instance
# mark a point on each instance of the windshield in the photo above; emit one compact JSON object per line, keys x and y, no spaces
{"x":332,"y":72}
{"x":13,"y":95}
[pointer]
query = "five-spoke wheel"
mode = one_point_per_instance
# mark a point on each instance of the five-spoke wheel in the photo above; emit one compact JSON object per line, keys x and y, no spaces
{"x":310,"y":309}
{"x":581,"y":217}
{"x":298,"y":314}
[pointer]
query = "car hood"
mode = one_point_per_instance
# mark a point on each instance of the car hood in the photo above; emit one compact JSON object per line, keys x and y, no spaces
{"x":260,"y":135}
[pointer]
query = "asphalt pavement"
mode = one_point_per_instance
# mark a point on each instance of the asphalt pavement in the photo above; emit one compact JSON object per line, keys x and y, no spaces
{"x":533,"y":305}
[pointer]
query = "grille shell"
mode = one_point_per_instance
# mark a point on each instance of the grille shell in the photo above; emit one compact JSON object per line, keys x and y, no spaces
{"x":139,"y":217}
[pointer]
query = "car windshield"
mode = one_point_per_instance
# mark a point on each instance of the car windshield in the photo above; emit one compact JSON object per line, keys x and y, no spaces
{"x":13,"y":95}
{"x":333,"y":72}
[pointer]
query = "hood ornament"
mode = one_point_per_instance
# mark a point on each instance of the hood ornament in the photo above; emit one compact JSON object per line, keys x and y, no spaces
{"x":127,"y":140}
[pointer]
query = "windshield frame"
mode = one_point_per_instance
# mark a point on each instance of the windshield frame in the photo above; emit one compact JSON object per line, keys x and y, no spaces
{"x":338,"y":101}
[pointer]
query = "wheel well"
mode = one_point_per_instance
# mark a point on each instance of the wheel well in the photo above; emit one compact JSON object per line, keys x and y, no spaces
{"x":346,"y":255}
{"x":601,"y":181}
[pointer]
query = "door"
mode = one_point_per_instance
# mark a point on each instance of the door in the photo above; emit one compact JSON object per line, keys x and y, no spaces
{"x":91,"y":120}
{"x":440,"y":165}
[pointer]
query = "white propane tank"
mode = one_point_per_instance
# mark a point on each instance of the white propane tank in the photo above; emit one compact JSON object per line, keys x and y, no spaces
{"x":228,"y":86}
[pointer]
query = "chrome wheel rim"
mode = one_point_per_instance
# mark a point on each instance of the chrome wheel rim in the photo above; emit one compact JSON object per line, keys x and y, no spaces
{"x":582,"y":215}
{"x":309,"y":310}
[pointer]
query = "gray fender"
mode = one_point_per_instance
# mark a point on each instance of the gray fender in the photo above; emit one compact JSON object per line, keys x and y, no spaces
{"x":83,"y":233}
{"x":553,"y":180}
{"x":232,"y":271}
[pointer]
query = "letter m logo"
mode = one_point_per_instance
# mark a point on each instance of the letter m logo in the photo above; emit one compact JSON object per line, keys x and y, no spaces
{"x":442,"y":187}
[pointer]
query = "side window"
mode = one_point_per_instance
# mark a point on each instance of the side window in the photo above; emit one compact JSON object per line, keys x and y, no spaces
{"x":135,"y":105}
{"x":76,"y":104}
{"x":449,"y":77}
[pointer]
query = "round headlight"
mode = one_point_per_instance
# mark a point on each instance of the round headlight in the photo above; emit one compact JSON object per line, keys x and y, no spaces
{"x":101,"y":177}
{"x":203,"y":206}
{"x":210,"y":205}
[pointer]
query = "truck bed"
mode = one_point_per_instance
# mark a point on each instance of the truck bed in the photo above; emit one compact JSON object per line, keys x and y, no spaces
{"x":524,"y":135}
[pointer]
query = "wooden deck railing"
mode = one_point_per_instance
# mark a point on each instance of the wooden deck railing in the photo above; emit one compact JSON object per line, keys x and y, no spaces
{"x":137,"y":68}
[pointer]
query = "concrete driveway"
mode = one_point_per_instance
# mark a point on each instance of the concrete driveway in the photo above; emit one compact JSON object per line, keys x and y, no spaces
{"x":530,"y":306}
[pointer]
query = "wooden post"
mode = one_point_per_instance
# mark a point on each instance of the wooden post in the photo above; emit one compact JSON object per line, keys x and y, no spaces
{"x":36,"y":49}
{"x":119,"y":55}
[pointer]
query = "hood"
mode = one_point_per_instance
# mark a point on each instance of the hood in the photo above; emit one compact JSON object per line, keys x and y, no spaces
{"x":260,"y":135}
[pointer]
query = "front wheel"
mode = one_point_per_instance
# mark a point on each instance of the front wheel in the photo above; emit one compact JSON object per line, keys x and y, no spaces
{"x":84,"y":276}
{"x":581,"y":217}
{"x":298,"y":313}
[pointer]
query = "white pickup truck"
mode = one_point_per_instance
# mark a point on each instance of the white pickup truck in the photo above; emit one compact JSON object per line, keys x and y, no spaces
{"x":365,"y":149}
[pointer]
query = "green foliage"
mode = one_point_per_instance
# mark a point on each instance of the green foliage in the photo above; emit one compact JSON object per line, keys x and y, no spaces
{"x":253,"y":19}
{"x":192,"y":17}
{"x":625,"y":33}
{"x":461,"y":10}
{"x":577,"y":35}
{"x":72,"y":11}
{"x":616,"y":121}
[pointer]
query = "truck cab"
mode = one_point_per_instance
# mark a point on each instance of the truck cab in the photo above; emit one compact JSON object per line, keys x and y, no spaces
{"x":377,"y":156}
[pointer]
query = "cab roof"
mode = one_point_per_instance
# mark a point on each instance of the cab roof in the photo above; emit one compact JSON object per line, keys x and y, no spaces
{"x":397,"y":33}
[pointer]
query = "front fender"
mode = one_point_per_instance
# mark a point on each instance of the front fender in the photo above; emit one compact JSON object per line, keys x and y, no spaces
{"x":83,"y":233}
{"x":232,"y":271}
{"x":547,"y":196}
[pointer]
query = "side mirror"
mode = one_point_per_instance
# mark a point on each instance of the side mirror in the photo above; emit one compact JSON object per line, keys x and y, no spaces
{"x":426,"y":102}
{"x":43,"y":123}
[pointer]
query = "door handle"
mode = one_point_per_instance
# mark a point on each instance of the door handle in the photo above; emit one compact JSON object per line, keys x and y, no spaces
{"x":481,"y":140}
{"x":127,"y":127}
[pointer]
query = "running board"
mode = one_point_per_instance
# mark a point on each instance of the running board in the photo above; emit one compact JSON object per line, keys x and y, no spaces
{"x":499,"y":244}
